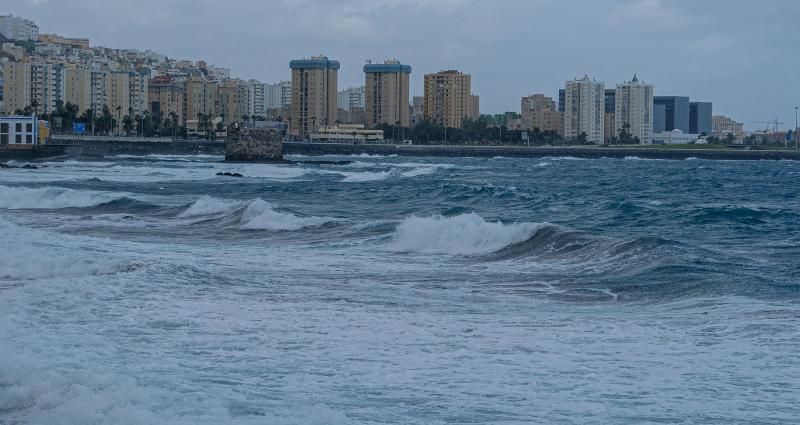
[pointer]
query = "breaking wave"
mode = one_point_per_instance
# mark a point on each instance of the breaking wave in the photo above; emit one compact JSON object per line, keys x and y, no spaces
{"x":467,"y":234}
{"x":259,"y":215}
{"x":251,"y":215}
{"x":14,"y":198}
{"x":366,"y":176}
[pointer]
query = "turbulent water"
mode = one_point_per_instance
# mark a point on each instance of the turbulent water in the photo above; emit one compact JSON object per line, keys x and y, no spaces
{"x":148,"y":290}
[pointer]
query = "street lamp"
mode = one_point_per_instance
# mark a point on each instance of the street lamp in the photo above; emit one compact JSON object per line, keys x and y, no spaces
{"x":795,"y":126}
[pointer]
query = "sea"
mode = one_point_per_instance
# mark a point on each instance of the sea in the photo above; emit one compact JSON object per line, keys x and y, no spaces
{"x":399,"y":290}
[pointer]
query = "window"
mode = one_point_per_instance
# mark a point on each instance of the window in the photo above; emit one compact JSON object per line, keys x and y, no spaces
{"x":19,"y":127}
{"x":3,"y":139}
{"x":29,"y":128}
{"x":30,"y":139}
{"x":19,"y":139}
{"x":4,"y":128}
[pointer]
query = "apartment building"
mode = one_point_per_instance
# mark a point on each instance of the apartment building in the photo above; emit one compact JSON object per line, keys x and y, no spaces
{"x":634,"y":110}
{"x":584,"y":109}
{"x":17,"y":28}
{"x":165,"y":98}
{"x":448,"y":98}
{"x":387,"y":94}
{"x":35,"y":85}
{"x":200,"y":97}
{"x":314,"y":94}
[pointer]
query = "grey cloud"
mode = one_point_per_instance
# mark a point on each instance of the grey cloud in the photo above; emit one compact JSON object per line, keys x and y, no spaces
{"x":736,"y":53}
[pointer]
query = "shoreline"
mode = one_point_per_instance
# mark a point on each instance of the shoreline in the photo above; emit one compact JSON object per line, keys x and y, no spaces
{"x":101,"y":149}
{"x":587,"y":152}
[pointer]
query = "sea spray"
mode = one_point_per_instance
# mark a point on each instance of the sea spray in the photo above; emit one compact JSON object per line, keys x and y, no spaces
{"x":467,"y":234}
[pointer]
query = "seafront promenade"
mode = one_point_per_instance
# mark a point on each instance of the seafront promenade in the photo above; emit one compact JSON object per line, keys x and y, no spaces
{"x":100,"y":148}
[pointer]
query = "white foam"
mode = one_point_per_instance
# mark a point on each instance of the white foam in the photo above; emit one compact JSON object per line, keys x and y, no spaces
{"x":367,"y":176}
{"x":259,"y":215}
{"x":467,"y":234}
{"x":209,"y":206}
{"x":421,"y":171}
{"x":279,"y":172}
{"x":37,"y":255}
{"x":14,"y":198}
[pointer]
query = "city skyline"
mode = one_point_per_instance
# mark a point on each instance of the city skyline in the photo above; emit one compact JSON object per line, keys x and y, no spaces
{"x":685,"y":49}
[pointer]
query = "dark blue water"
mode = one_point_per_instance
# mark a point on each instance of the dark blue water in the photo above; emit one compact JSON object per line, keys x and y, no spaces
{"x":138,"y":290}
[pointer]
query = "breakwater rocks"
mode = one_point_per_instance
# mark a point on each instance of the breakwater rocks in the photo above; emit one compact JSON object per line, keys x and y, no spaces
{"x":254,"y":144}
{"x":534,"y":152}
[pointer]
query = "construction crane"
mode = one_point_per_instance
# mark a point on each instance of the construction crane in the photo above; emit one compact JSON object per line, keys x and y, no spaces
{"x":775,"y":124}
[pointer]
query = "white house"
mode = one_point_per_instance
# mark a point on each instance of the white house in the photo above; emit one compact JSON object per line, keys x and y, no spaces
{"x":17,"y":132}
{"x":674,"y":137}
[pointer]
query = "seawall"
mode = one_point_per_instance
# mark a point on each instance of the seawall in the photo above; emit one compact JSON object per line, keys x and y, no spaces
{"x":100,"y":148}
{"x":314,"y":149}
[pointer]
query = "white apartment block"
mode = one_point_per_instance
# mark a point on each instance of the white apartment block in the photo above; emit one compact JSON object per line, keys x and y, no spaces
{"x":263,"y":97}
{"x":584,"y":111}
{"x":634,"y":108}
{"x":17,"y":28}
{"x":353,"y":97}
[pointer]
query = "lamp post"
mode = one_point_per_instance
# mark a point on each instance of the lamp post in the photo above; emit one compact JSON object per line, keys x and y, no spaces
{"x":795,"y":127}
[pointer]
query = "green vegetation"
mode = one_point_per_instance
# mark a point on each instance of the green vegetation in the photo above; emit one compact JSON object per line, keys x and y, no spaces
{"x":679,"y":147}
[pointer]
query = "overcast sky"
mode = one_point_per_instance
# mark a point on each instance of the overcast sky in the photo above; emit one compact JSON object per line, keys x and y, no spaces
{"x":740,"y":54}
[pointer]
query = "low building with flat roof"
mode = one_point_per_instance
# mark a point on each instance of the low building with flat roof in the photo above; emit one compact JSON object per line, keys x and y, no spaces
{"x":351,"y":133}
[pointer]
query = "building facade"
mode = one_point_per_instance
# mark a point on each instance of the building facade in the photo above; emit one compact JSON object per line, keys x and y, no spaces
{"x":35,"y":85}
{"x":670,"y":113}
{"x":584,"y":111}
{"x":165,"y":98}
{"x":386,"y":94}
{"x":314,"y":90}
{"x":233,"y":101}
{"x":701,"y":119}
{"x":723,"y":126}
{"x":17,"y":28}
{"x":634,"y":110}
{"x":200,"y":98}
{"x":18,"y":132}
{"x":354,"y":97}
{"x":448,"y":98}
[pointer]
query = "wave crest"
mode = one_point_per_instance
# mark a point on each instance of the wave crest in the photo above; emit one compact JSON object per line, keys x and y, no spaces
{"x":18,"y":198}
{"x":466,"y":234}
{"x":259,"y":215}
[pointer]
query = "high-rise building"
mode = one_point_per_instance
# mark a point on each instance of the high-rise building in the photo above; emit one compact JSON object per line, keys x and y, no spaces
{"x":634,"y":110}
{"x":17,"y":28}
{"x":673,"y":112}
{"x":448,"y":98}
{"x":700,"y":118}
{"x":232,"y":101}
{"x":165,"y":97}
{"x":475,"y":107}
{"x":100,"y":91}
{"x":562,"y":100}
{"x":417,"y":110}
{"x":354,"y":97}
{"x":262,"y":97}
{"x":387,"y":91}
{"x":78,"y":88}
{"x":128,"y":93}
{"x":584,"y":112}
{"x":17,"y":86}
{"x":35,"y":85}
{"x":314,"y":89}
{"x":200,"y":98}
{"x":611,"y":101}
